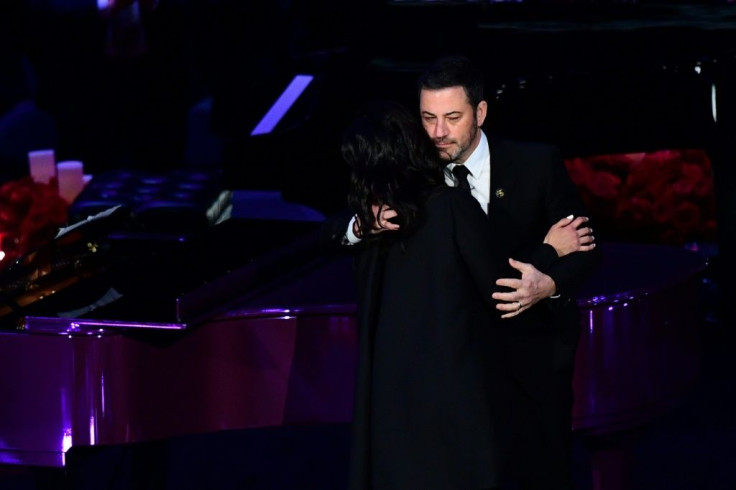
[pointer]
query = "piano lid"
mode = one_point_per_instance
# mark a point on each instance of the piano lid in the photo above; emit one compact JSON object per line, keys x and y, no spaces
{"x":96,"y":273}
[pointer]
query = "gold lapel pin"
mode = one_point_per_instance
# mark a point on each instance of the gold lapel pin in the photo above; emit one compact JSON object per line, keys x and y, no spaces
{"x":500,"y":193}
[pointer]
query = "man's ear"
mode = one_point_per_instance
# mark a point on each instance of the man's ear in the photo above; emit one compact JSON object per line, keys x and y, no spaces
{"x":481,"y":111}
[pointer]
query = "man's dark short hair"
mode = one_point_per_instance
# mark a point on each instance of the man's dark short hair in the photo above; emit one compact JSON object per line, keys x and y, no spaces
{"x":453,"y":71}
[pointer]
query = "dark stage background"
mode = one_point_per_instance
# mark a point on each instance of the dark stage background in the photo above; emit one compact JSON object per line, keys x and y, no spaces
{"x":595,"y":78}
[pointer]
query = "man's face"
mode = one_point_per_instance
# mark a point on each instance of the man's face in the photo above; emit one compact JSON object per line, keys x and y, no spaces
{"x":451,"y":122}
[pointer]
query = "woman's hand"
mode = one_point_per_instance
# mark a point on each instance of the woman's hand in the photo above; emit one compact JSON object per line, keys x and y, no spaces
{"x":570,"y":235}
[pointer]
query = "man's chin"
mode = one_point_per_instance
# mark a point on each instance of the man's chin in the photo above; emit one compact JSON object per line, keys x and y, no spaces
{"x":445,"y":155}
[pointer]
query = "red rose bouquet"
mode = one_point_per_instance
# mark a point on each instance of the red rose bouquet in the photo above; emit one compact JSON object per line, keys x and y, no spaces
{"x":31,"y":214}
{"x":660,"y":197}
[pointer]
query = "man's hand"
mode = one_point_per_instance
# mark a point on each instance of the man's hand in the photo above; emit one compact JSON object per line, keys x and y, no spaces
{"x":381,"y":216}
{"x":568,"y":235}
{"x":533,"y":287}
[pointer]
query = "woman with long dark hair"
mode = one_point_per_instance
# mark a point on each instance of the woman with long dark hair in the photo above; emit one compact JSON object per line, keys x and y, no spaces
{"x":428,"y":369}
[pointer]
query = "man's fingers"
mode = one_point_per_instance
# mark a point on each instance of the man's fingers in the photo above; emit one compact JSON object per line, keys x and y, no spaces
{"x":512,"y":311}
{"x":382,"y":214}
{"x":519,"y":266}
{"x":512,"y":301}
{"x":383,"y":211}
{"x":385,"y":214}
{"x":511,"y":306}
{"x":385,"y":226}
{"x":507,"y":297}
{"x":511,"y":315}
{"x":508,"y":283}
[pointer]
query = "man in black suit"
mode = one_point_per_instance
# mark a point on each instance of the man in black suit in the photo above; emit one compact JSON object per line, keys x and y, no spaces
{"x":529,"y":198}
{"x":525,"y":189}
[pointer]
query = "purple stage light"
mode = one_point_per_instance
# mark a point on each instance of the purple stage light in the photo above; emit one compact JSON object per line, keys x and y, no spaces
{"x":282,"y":104}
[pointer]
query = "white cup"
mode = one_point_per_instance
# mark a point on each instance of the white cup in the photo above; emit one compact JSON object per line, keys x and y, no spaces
{"x":42,"y":165}
{"x":70,"y":175}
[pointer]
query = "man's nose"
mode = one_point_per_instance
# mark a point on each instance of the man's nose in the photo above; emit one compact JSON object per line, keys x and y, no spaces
{"x":440,"y":129}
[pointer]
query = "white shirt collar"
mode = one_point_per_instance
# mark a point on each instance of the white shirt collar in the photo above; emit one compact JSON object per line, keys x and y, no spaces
{"x":479,"y":165}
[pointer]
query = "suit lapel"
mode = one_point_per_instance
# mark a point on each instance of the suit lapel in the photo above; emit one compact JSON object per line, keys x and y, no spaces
{"x":503,"y":180}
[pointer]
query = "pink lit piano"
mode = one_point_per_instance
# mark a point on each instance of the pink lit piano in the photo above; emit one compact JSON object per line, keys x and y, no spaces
{"x":272,"y":344}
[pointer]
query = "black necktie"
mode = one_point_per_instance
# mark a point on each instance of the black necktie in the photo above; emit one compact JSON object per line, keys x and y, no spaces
{"x":461,"y":174}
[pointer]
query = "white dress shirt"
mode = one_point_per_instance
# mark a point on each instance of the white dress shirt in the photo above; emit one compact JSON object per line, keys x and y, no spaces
{"x":479,"y":166}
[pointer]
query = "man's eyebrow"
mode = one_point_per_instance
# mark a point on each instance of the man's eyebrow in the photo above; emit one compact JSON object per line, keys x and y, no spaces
{"x":451,"y":113}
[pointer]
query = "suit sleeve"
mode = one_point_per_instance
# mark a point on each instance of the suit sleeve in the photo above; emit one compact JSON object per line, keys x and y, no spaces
{"x":563,"y":199}
{"x":332,"y":231}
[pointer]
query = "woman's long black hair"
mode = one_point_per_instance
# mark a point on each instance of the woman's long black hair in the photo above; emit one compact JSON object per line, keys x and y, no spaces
{"x":393,"y":161}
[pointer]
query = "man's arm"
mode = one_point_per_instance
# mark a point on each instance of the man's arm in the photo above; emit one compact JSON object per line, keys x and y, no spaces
{"x":567,"y":236}
{"x":333,"y":230}
{"x":566,"y":256}
{"x":571,"y":270}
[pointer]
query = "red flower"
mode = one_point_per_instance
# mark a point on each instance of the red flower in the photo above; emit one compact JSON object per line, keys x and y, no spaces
{"x":686,"y":217}
{"x":634,"y":210}
{"x":664,"y":196}
{"x":30,"y":215}
{"x":605,"y":185}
